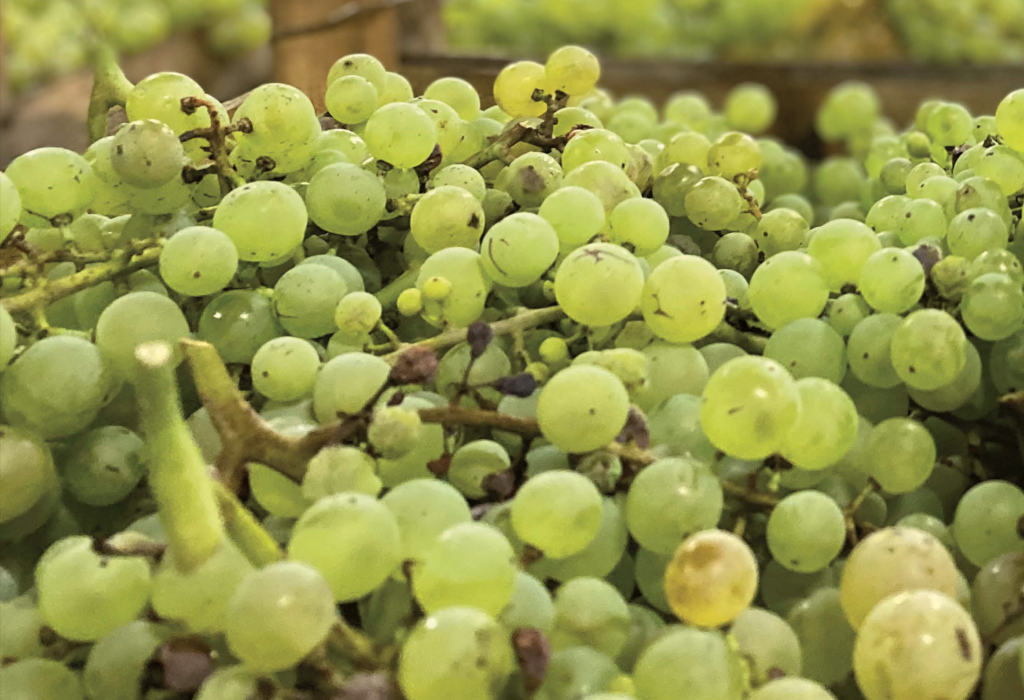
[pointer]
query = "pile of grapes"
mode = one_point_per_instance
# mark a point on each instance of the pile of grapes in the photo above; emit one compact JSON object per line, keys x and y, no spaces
{"x":44,"y":39}
{"x":561,"y":399}
{"x":946,"y":31}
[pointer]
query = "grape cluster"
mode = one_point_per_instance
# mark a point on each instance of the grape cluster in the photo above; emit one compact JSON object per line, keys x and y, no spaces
{"x":942,"y":31}
{"x":44,"y":39}
{"x":565,"y":398}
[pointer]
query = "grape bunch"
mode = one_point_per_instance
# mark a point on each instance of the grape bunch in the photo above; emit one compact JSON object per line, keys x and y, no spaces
{"x":564,"y":398}
{"x":45,"y":39}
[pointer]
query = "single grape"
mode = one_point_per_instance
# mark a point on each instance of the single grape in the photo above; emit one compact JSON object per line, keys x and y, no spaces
{"x":683,"y":299}
{"x":690,"y":663}
{"x":345,"y":199}
{"x":558,"y":512}
{"x":986,"y":521}
{"x":247,"y":213}
{"x":806,"y":531}
{"x":671,"y":500}
{"x":582,"y":408}
{"x":198,"y":261}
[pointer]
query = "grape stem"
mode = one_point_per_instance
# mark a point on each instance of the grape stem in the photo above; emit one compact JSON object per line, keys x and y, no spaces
{"x":216,"y":135}
{"x":500,"y":148}
{"x":110,"y":89}
{"x":245,"y":531}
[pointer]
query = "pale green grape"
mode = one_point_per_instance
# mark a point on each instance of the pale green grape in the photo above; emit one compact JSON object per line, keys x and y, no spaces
{"x":928,"y":349}
{"x":573,"y":70}
{"x":519,"y":249}
{"x":84,"y":595}
{"x":576,"y":214}
{"x":806,"y":531}
{"x":570,"y":119}
{"x":394,"y":431}
{"x":750,"y":405}
{"x":996,"y":594}
{"x":558,"y":512}
{"x":847,"y":108}
{"x":673,"y":184}
{"x":582,"y":408}
{"x":713,"y":203}
{"x":640,"y":225}
{"x":750,"y":107}
{"x":868,"y":351}
{"x":599,"y":558}
{"x":901,"y":453}
{"x":104,"y":465}
{"x":530,"y":606}
{"x":277,"y":615}
{"x":826,"y":429}
{"x":20,"y":625}
{"x":473,"y":463}
{"x":117,"y":662}
{"x":788,"y":286}
{"x":630,"y":366}
{"x":401,"y":135}
{"x":1002,"y":261}
{"x":769,"y":644}
{"x":993,"y":306}
{"x":826,"y":638}
{"x":1003,"y":678}
{"x":599,"y":284}
{"x":837,"y":180}
{"x":985,"y":524}
{"x":649,"y":572}
{"x":351,"y":99}
{"x":670,"y":500}
{"x":690,"y":663}
{"x":974,"y":231}
{"x":577,"y":672}
{"x":198,"y":261}
{"x":922,"y":218}
{"x":949,"y":124}
{"x":590,"y":612}
{"x":647,"y":625}
{"x":347,"y":143}
{"x":595,"y":145}
{"x":457,"y":94}
{"x":450,"y":129}
{"x":40,"y":679}
{"x":339,"y":469}
{"x":51,"y":183}
{"x":1006,"y":361}
{"x":459,"y":176}
{"x":889,"y":561}
{"x":424,"y":509}
{"x":158,"y":96}
{"x":447,"y":217}
{"x":792,"y":689}
{"x":914,"y":643}
{"x":146,"y":154}
{"x":736,"y":252}
{"x":672,"y":369}
{"x":10,"y":206}
{"x":675,"y":428}
{"x":689,"y":148}
{"x":711,"y":578}
{"x":733,"y":154}
{"x":284,"y":369}
{"x":284,"y":126}
{"x":305,"y":299}
{"x":349,"y":272}
{"x":352,"y":539}
{"x":238,"y":323}
{"x":514,"y":88}
{"x":809,"y":347}
{"x":346,"y":384}
{"x":1010,"y":120}
{"x":198,"y":598}
{"x":229,"y":683}
{"x":360,"y":64}
{"x":842,"y":246}
{"x":531,"y":178}
{"x":892,"y":280}
{"x":465,"y":302}
{"x":345,"y":199}
{"x":684,"y":299}
{"x":886,"y":213}
{"x":248,"y":213}
{"x":609,"y":182}
{"x":26,"y":472}
{"x":469,"y":564}
{"x":958,"y":392}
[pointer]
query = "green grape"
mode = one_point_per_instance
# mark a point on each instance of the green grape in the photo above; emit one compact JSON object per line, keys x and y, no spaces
{"x":892,"y":280}
{"x":345,"y":199}
{"x":352,"y":539}
{"x":690,"y":663}
{"x":1002,"y":261}
{"x":277,"y":615}
{"x":670,"y":500}
{"x":749,"y":406}
{"x":576,"y":214}
{"x":456,"y":652}
{"x":769,"y":644}
{"x":241,"y":33}
{"x":530,"y":607}
{"x":673,"y":369}
{"x":826,"y":638}
{"x":357,"y":312}
{"x":868,"y":351}
{"x":893,"y":176}
{"x":247,"y":213}
{"x":736,"y":252}
{"x":470,"y":285}
{"x":930,"y":524}
{"x":84,"y":595}
{"x":914,"y":643}
{"x":780,"y":230}
{"x":459,"y":176}
{"x":838,"y":180}
{"x":599,"y":558}
{"x":949,"y":124}
{"x":809,"y":347}
{"x":560,"y":525}
{"x":847,"y":108}
{"x":599,"y":284}
{"x":337,"y":469}
{"x":788,"y":286}
{"x":362,"y":65}
{"x":457,"y":94}
{"x":590,"y":612}
{"x":792,"y":689}
{"x":40,"y":679}
{"x":845,"y":312}
{"x":238,"y":323}
{"x":349,"y":272}
{"x":117,"y":663}
{"x":711,"y":578}
{"x":595,"y":145}
{"x":582,"y":408}
{"x":609,"y":182}
{"x":58,"y":385}
{"x":424,"y":509}
{"x":683,"y":299}
{"x":640,"y":225}
{"x":284,"y":126}
{"x":351,"y":99}
{"x":446,"y":217}
{"x":473,"y":463}
{"x":928,"y":349}
{"x":1010,"y":120}
{"x":713,"y":203}
{"x":889,"y":561}
{"x":519,"y":249}
{"x":514,"y":88}
{"x":922,"y":218}
{"x":733,"y":154}
{"x":10,"y":206}
{"x":198,"y":261}
{"x":577,"y":672}
{"x":450,"y":129}
{"x":146,"y":154}
{"x":468,"y":564}
{"x":347,"y":143}
{"x":958,"y":392}
{"x":570,"y":119}
{"x":51,"y":183}
{"x":20,"y":625}
{"x":806,"y":531}
{"x":826,"y":428}
{"x":26,"y":472}
{"x":675,"y":428}
{"x":750,"y":107}
{"x":842,"y":246}
{"x":993,"y":306}
{"x":673,"y":184}
{"x":401,"y":135}
{"x":572,"y":70}
{"x":531,"y":178}
{"x":1003,"y":678}
{"x":974,"y":231}
{"x":996,"y":594}
{"x":346,"y":384}
{"x":229,"y":683}
{"x":649,"y":573}
{"x":646,"y":626}
{"x":305,"y":299}
{"x":1005,"y":364}
{"x":985,"y":524}
{"x":284,"y":369}
{"x":104,"y":465}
